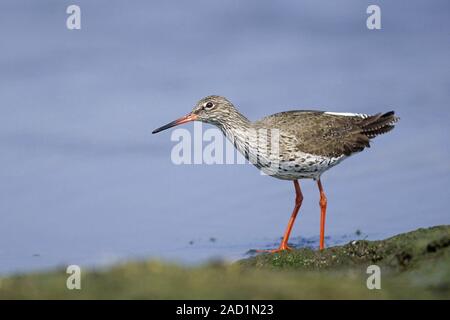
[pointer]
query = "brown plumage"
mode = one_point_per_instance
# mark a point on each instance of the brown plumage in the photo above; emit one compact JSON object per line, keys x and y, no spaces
{"x":330,"y":135}
{"x":310,"y":142}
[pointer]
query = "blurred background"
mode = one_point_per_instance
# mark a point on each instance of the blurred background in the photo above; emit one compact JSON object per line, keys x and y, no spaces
{"x":83,"y":181}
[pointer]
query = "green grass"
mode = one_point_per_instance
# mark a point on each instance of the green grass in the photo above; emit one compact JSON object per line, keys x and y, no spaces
{"x":413,"y":265}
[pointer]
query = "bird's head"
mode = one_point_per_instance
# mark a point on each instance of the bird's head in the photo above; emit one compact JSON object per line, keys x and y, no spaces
{"x":211,"y":109}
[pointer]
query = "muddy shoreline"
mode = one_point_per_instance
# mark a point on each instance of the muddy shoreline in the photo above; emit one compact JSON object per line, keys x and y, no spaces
{"x":413,"y":265}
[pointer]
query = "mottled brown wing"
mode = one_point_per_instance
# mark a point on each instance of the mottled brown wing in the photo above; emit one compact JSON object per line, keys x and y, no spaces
{"x":330,"y":135}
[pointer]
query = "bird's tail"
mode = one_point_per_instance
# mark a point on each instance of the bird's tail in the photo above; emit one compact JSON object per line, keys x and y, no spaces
{"x":379,"y":123}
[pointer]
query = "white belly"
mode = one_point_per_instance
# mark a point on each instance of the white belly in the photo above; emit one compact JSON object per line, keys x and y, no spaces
{"x":305,"y":166}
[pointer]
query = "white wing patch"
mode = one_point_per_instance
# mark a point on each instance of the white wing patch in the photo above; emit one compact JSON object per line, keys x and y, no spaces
{"x":348,"y":114}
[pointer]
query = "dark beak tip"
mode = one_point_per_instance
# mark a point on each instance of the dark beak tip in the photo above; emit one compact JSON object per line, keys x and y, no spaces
{"x":184,"y":119}
{"x":157,"y":130}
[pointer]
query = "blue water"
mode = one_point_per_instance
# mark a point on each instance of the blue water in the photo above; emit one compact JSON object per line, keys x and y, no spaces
{"x":83,"y":181}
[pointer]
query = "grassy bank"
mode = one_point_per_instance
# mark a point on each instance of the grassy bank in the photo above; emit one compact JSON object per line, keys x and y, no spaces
{"x":413,"y":265}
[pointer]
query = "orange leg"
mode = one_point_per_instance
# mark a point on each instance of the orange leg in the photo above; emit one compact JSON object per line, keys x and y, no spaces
{"x":323,"y":212}
{"x":287,"y":233}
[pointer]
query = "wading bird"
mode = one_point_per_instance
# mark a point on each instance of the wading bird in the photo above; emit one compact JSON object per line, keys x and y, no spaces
{"x":309,"y":143}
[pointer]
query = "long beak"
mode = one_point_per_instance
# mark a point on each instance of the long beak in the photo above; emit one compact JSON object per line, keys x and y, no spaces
{"x":188,"y":118}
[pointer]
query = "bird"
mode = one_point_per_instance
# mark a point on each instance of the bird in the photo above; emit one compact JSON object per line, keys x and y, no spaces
{"x":308,"y":143}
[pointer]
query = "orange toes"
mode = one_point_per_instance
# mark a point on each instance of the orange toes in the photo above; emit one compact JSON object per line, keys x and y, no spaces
{"x":283,"y":247}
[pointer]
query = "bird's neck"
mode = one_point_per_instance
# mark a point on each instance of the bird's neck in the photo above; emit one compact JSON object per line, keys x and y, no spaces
{"x":235,"y":126}
{"x":234,"y":121}
{"x":241,"y":133}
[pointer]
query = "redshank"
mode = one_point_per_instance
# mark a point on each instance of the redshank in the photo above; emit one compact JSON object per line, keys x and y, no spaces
{"x":309,"y":143}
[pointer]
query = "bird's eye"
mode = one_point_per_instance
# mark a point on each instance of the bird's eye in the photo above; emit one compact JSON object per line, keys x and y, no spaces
{"x":209,"y":105}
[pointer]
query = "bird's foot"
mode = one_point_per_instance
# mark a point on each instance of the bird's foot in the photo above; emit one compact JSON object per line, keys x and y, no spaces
{"x":281,"y":248}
